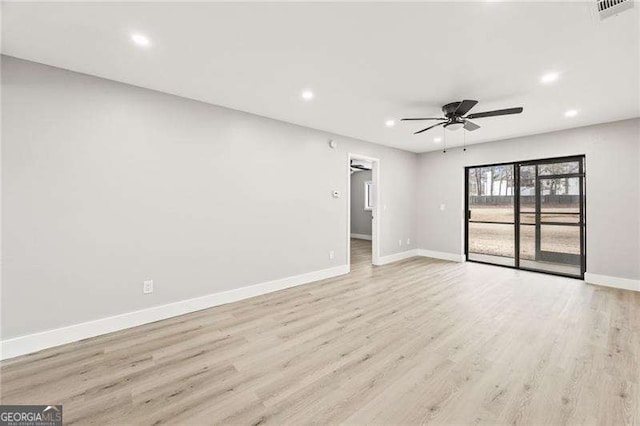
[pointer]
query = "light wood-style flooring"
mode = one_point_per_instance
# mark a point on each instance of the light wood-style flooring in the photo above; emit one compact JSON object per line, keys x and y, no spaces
{"x":417,"y":341}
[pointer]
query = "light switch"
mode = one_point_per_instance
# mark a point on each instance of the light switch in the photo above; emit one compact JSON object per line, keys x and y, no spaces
{"x":336,"y":194}
{"x":442,"y":207}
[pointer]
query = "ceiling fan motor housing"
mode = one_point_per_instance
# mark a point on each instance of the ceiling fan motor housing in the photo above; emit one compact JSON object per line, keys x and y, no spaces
{"x":450,"y":109}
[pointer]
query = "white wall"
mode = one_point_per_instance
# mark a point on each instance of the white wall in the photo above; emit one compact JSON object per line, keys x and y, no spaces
{"x":105,"y":185}
{"x":613,"y":190}
{"x":360,"y":218}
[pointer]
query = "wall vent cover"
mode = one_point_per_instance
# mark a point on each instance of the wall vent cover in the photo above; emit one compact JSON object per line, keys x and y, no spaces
{"x":608,"y":8}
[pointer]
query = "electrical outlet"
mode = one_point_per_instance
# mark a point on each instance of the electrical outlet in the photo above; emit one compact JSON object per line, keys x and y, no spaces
{"x":408,"y":241}
{"x":399,"y":242}
{"x":147,"y":286}
{"x":331,"y":254}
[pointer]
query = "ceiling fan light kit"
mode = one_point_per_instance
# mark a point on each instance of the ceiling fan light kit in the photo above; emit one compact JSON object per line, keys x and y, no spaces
{"x":457,"y":125}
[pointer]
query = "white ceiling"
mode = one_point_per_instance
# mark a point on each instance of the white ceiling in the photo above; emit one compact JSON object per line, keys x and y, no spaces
{"x":365,"y":62}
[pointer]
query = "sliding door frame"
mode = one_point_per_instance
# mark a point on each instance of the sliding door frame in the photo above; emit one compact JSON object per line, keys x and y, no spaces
{"x":516,"y":210}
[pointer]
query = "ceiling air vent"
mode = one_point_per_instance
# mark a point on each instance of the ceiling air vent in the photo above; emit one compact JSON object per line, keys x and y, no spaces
{"x":607,"y":8}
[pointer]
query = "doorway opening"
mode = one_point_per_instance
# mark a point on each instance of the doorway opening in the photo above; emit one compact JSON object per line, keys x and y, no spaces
{"x":362,"y":212}
{"x":528,"y":215}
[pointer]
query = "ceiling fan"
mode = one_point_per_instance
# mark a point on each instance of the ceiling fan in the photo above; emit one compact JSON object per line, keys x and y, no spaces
{"x":455,"y":116}
{"x":357,"y":166}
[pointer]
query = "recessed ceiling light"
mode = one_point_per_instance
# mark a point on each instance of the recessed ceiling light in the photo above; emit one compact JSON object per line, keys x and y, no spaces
{"x":140,"y":40}
{"x":307,"y":95}
{"x":436,"y":140}
{"x":389,"y":123}
{"x":571,"y":113}
{"x":549,"y":78}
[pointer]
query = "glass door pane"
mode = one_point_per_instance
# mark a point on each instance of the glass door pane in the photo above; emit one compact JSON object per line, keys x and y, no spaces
{"x":492,"y":243}
{"x":559,"y":168}
{"x":551,"y":212}
{"x":527,"y":247}
{"x":490,"y":216}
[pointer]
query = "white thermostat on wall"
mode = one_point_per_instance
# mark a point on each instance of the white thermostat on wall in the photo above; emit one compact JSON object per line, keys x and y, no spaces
{"x":336,"y":194}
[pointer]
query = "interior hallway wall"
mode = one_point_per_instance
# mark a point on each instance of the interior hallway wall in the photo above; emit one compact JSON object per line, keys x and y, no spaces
{"x":360,"y":218}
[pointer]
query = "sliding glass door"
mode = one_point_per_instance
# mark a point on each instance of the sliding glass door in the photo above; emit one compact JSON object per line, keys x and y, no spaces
{"x":528,"y":215}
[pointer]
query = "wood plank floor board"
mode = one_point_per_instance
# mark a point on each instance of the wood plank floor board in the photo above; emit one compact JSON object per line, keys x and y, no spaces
{"x":413,"y":342}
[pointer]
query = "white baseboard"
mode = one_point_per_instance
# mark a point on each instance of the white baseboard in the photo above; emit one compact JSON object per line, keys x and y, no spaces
{"x":34,"y":342}
{"x":361,"y":236}
{"x":623,"y":283}
{"x":442,"y":255}
{"x":420,"y":252}
{"x":383,"y":260}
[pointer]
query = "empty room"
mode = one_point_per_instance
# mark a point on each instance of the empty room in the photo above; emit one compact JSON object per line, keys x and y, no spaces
{"x":292,"y":213}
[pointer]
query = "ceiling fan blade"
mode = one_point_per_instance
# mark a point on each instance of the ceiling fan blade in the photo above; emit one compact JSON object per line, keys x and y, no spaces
{"x":495,"y":113}
{"x":470,"y":126}
{"x":414,"y":119}
{"x":430,"y":127}
{"x":464,"y":107}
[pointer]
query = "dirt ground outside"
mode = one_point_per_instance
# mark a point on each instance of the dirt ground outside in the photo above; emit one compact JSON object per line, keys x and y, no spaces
{"x":499,"y":239}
